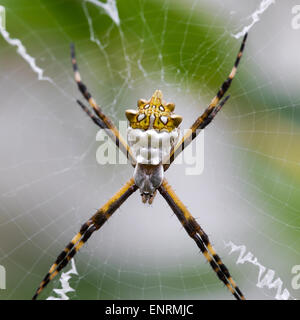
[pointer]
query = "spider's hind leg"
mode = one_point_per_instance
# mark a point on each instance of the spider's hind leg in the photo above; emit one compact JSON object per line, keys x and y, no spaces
{"x":104,"y":121}
{"x":210,"y":112}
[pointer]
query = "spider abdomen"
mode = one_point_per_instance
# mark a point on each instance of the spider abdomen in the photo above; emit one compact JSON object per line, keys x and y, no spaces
{"x":151,"y":146}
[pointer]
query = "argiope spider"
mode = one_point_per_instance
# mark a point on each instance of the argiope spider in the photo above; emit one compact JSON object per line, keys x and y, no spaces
{"x":154,"y":119}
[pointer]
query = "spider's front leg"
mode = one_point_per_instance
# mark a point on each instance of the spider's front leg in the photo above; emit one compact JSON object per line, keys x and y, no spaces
{"x":200,"y":237}
{"x":93,"y":224}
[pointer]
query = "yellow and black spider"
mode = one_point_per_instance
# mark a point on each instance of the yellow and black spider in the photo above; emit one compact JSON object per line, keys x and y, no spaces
{"x":153,"y":121}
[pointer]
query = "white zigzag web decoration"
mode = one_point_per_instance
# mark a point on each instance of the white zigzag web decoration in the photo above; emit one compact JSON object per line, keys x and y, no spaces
{"x":265,"y":279}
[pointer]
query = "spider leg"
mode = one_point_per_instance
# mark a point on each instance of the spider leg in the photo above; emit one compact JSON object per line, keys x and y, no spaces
{"x":215,"y":105}
{"x":105,"y":121}
{"x":87,"y":229}
{"x":95,"y":119}
{"x":103,"y":126}
{"x":200,"y":237}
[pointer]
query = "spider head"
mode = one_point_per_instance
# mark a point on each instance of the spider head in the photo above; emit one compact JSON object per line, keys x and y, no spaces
{"x":148,"y":197}
{"x":148,"y":178}
{"x":154,"y":113}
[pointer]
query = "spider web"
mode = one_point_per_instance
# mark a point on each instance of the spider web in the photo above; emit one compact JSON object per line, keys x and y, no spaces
{"x":247,"y":198}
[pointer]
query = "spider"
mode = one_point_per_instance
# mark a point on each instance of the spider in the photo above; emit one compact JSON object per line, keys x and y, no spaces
{"x":154,"y":119}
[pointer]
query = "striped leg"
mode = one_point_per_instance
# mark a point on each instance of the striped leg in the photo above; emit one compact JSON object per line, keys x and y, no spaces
{"x":95,"y":119}
{"x":103,"y":126}
{"x":200,"y":237}
{"x":215,"y":105}
{"x":105,"y":121}
{"x":93,"y":224}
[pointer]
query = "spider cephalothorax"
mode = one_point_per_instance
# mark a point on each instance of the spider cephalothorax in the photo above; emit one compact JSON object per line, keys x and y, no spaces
{"x":153,"y":144}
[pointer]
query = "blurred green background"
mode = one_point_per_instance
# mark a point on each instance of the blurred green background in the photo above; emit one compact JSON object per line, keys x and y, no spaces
{"x":248,"y":193}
